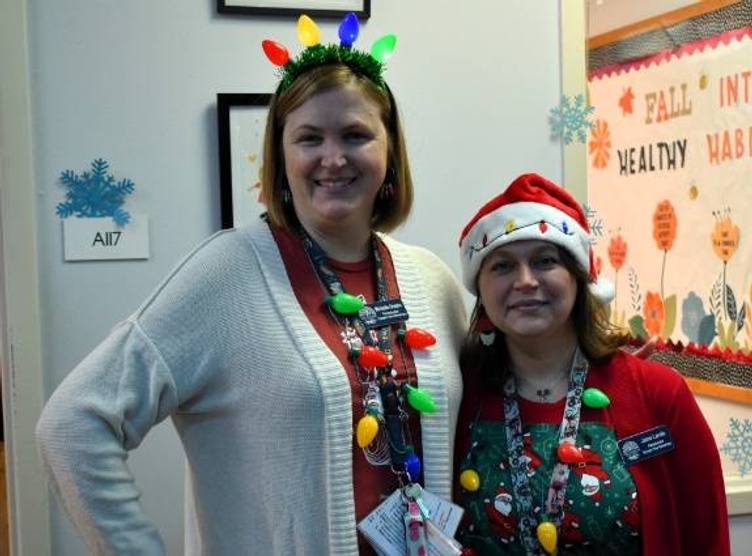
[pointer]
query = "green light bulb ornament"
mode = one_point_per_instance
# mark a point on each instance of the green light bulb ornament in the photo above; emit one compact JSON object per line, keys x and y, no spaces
{"x":419,"y":399}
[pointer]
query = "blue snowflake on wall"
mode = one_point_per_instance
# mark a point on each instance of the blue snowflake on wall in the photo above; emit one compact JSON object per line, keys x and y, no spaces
{"x":570,"y":119}
{"x":738,"y":445}
{"x":95,"y":194}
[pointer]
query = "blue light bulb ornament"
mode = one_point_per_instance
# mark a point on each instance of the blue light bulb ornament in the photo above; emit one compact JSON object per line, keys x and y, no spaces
{"x":412,"y":467}
{"x":349,"y":30}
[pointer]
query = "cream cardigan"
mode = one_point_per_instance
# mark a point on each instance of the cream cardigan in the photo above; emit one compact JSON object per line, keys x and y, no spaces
{"x":261,"y":405}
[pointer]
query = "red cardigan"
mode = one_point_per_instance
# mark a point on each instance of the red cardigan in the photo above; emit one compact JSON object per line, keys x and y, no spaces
{"x":682,"y":494}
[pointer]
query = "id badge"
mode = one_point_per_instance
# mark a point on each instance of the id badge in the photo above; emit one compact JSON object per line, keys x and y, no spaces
{"x":384,"y":527}
{"x":383,"y":313}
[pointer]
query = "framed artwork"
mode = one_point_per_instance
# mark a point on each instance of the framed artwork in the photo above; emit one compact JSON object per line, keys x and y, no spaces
{"x":313,"y":8}
{"x":241,"y":119}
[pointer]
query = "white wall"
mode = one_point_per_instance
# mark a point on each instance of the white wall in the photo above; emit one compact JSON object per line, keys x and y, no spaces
{"x":135,"y":83}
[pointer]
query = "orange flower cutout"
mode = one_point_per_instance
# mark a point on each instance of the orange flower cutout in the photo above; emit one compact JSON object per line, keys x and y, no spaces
{"x":597,"y":265}
{"x":600,"y":144}
{"x":654,"y":313}
{"x":617,"y":252}
{"x":664,"y":225}
{"x":725,"y":236}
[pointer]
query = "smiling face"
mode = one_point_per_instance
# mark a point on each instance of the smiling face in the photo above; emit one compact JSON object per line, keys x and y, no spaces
{"x":335,"y":151}
{"x":528,"y":292}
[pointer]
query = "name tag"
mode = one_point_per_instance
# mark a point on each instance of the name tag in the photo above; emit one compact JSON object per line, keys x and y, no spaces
{"x":384,"y":527}
{"x":383,"y":313}
{"x":650,"y":443}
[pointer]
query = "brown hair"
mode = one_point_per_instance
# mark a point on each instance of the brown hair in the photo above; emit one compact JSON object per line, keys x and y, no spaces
{"x":597,"y":336}
{"x":389,"y":212}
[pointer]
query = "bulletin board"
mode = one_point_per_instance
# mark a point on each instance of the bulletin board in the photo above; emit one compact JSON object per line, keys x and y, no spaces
{"x":669,"y":173}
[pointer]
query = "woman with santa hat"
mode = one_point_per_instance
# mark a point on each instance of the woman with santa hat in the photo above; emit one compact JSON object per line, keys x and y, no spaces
{"x":627,"y":463}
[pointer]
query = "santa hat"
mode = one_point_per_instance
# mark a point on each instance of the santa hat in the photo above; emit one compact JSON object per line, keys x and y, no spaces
{"x":530,"y":208}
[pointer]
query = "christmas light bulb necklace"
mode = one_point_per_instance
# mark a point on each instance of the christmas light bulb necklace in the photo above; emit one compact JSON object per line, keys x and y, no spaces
{"x":383,"y":432}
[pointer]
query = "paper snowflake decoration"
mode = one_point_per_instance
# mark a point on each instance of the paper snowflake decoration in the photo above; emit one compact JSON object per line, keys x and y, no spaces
{"x":95,"y":194}
{"x":570,"y":119}
{"x":738,"y":445}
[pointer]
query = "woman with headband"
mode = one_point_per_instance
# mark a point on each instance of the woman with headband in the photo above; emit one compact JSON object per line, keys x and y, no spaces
{"x":308,"y":361}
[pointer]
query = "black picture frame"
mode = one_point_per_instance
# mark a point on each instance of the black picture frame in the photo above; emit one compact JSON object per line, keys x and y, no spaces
{"x":241,"y":118}
{"x":313,"y":8}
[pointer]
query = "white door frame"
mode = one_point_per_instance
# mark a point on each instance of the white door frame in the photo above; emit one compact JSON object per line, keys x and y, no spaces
{"x":20,"y":337}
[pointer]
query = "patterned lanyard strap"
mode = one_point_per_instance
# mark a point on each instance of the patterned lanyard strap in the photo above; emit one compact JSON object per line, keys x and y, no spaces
{"x":332,"y":283}
{"x":381,"y":389}
{"x":557,"y":486}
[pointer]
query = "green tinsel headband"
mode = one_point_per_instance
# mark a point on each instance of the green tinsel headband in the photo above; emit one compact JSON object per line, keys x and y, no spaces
{"x":371,"y":65}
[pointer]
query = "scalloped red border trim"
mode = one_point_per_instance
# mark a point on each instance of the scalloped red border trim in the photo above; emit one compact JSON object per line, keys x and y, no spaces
{"x":707,"y":387}
{"x":701,"y":350}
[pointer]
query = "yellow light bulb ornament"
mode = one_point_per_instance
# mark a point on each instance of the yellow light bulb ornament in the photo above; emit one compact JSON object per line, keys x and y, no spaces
{"x":547,"y":536}
{"x":470,"y":480}
{"x":308,"y":31}
{"x":368,"y":428}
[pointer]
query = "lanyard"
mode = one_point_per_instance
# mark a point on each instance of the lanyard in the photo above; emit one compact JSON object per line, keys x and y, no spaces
{"x":560,"y":475}
{"x":395,"y":418}
{"x":327,"y":275}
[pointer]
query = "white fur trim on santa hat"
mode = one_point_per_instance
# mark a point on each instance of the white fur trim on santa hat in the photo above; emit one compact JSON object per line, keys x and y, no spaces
{"x":603,"y":290}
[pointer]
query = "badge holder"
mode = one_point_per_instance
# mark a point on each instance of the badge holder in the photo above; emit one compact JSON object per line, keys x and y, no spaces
{"x":411,"y":516}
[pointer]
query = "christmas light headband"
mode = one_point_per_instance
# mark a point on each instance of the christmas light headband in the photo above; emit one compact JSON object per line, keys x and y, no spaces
{"x":371,"y":65}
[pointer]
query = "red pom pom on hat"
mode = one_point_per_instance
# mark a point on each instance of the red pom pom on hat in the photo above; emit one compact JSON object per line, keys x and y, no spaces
{"x":531,"y":207}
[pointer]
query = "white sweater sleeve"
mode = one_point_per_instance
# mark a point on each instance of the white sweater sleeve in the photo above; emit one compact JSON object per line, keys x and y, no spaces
{"x":104,"y":408}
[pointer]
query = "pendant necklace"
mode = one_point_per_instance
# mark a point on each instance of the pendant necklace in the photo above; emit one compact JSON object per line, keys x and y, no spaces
{"x":383,"y":432}
{"x":541,"y":534}
{"x":542,"y":393}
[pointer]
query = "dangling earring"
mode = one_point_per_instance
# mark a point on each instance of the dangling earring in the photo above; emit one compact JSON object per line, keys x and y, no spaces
{"x":483,"y":326}
{"x":386,"y":191}
{"x":286,"y":196}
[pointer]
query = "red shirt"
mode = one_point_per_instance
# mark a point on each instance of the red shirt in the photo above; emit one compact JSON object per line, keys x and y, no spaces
{"x":372,"y":484}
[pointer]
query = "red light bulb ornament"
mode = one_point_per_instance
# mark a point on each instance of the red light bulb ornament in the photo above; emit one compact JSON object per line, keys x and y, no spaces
{"x":349,"y":30}
{"x":275,"y":52}
{"x":369,"y":356}
{"x":417,"y":338}
{"x":569,"y":453}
